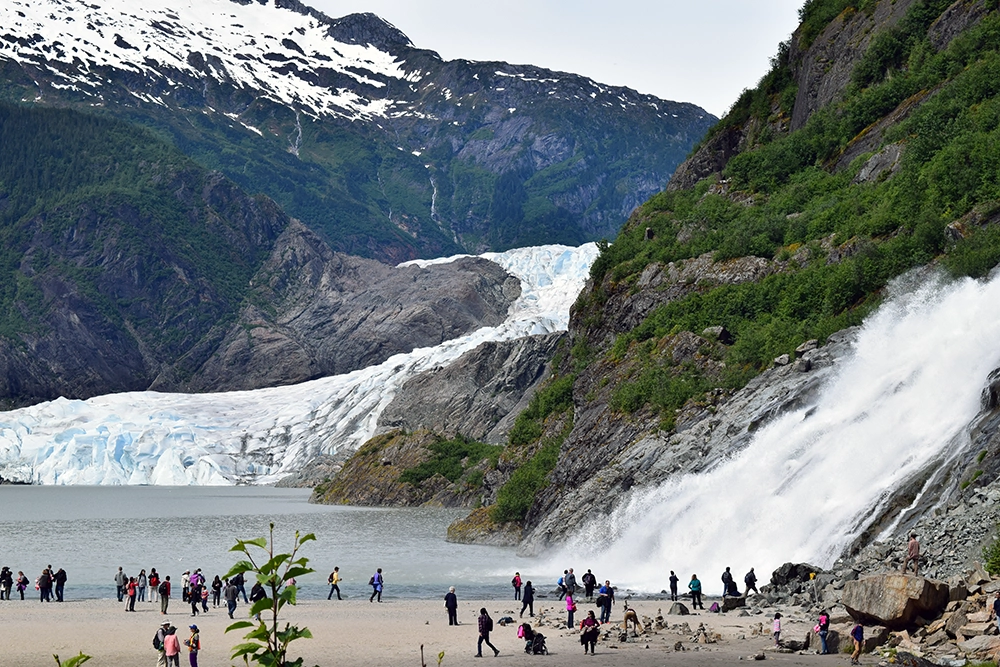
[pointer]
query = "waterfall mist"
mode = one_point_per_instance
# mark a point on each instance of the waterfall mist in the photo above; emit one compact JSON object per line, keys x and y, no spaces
{"x":807,"y":483}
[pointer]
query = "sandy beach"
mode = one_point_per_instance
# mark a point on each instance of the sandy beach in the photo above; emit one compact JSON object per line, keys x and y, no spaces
{"x":356,"y":632}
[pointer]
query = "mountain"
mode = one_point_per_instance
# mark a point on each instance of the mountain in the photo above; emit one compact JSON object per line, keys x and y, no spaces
{"x":792,"y":348}
{"x":387,"y":151}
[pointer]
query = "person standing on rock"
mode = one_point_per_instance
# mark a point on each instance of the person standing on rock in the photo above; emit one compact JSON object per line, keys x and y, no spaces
{"x":673,"y":586}
{"x":695,"y":587}
{"x":912,"y":554}
{"x":451,"y":604}
{"x":528,"y":600}
{"x":570,"y":583}
{"x":727,"y":583}
{"x":750,"y":581}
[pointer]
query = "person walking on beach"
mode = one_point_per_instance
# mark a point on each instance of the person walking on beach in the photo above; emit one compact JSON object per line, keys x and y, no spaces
{"x":516,"y":583}
{"x":142,"y":581}
{"x":528,"y":599}
{"x":485,"y":628}
{"x":589,"y":584}
{"x":561,"y":583}
{"x":45,"y":586}
{"x":230,"y":596}
{"x":257,"y":593}
{"x":376,"y":582}
{"x":172,"y":647}
{"x":240,"y":582}
{"x":154,"y":584}
{"x":6,"y":583}
{"x":60,"y":581}
{"x":334,"y":581}
{"x":451,"y":604}
{"x":193,"y":644}
{"x":194,"y":597}
{"x":164,"y":591}
{"x":912,"y":555}
{"x":121,"y":581}
{"x":570,"y":610}
{"x":158,"y":641}
{"x":750,"y":581}
{"x":695,"y":587}
{"x":589,"y":631}
{"x":673,"y":586}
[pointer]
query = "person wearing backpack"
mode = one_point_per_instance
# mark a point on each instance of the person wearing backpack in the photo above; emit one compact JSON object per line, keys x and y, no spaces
{"x":858,"y":635}
{"x":154,"y":584}
{"x":164,"y":591}
{"x":589,"y":584}
{"x":528,"y":599}
{"x":561,"y":583}
{"x":240,"y":582}
{"x":161,"y":634}
{"x":750,"y":581}
{"x":516,"y":583}
{"x":334,"y":581}
{"x":485,"y":628}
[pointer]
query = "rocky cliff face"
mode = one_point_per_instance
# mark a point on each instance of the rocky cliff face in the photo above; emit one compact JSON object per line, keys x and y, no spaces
{"x":313,"y":312}
{"x":479,"y":395}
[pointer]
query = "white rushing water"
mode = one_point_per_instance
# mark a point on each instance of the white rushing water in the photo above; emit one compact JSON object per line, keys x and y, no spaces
{"x":807,"y":483}
{"x":259,"y":436}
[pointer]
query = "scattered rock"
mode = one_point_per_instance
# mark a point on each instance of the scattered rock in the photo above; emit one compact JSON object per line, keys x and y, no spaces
{"x":678,"y":609}
{"x":894,"y":600}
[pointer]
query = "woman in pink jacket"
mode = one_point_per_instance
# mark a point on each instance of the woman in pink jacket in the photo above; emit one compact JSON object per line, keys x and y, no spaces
{"x":570,"y":609}
{"x":172,"y":647}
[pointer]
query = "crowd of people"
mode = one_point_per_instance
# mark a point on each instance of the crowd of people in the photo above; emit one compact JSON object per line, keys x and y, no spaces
{"x":50,"y":579}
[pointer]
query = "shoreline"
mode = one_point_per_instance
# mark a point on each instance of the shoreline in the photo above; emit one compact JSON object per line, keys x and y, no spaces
{"x":356,"y":632}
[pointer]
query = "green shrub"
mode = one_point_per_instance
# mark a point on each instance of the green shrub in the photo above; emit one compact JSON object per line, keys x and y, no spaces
{"x":451,"y":459}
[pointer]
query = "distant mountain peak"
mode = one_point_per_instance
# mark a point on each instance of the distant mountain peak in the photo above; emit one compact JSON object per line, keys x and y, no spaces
{"x":367,"y":29}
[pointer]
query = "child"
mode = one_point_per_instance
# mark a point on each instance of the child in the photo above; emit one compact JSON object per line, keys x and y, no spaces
{"x":776,"y":629}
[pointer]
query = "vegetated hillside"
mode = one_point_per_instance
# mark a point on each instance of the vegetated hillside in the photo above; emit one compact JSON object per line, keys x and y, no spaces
{"x":385,"y":150}
{"x":784,"y":226}
{"x":118,"y":254}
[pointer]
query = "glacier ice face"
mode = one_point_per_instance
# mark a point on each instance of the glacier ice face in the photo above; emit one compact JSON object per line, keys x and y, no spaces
{"x":260,"y":436}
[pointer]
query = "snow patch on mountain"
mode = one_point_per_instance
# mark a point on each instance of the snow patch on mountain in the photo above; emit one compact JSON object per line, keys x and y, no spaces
{"x":273,"y":50}
{"x":259,"y":436}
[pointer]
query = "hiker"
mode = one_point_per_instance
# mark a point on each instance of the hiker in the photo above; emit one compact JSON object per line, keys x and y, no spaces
{"x":154,"y":583}
{"x":823,"y":629}
{"x":516,"y":583}
{"x":334,"y":581}
{"x":750,"y":581}
{"x":161,"y":634}
{"x":561,"y":583}
{"x":995,"y":610}
{"x":695,"y":587}
{"x":194,"y":645}
{"x":589,"y":584}
{"x":673,"y":586}
{"x":164,"y":591}
{"x":172,"y":647}
{"x":60,"y":580}
{"x":858,"y":635}
{"x":589,"y":631}
{"x":570,"y":582}
{"x":485,"y":627}
{"x":570,"y":610}
{"x":528,"y":599}
{"x":376,"y":583}
{"x":727,"y":582}
{"x":451,"y":604}
{"x":605,"y":599}
{"x":912,"y":555}
{"x":776,"y":629}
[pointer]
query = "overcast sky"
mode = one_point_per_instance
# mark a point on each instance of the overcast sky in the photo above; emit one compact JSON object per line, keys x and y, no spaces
{"x":700,"y":51}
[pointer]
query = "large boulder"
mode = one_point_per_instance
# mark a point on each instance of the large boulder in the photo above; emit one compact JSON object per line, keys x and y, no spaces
{"x":729,"y":603}
{"x":678,"y":609}
{"x":894,"y":600}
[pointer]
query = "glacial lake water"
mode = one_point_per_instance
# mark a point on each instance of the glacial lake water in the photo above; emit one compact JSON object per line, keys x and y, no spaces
{"x":90,"y":531}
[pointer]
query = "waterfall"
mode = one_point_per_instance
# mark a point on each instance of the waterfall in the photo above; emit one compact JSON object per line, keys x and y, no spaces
{"x":807,"y":483}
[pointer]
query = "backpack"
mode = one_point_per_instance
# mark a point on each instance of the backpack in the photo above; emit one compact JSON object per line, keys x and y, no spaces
{"x":858,"y":632}
{"x":157,"y":642}
{"x":162,"y":590}
{"x":715,"y":607}
{"x":489,"y":624}
{"x":371,"y":582}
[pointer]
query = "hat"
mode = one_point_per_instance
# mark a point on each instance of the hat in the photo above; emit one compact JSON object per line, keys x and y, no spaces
{"x":193,"y":627}
{"x":165,"y":623}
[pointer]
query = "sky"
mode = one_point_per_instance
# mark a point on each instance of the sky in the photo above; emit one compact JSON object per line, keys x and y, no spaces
{"x":700,"y":51}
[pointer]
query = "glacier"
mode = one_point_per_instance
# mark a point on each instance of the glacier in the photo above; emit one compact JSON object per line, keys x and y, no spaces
{"x":259,"y":436}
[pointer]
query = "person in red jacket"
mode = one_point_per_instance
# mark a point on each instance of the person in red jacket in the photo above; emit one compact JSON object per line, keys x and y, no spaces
{"x":164,"y":592}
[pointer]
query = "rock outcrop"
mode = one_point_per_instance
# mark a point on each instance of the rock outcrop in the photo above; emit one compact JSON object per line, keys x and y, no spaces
{"x":895,"y":601}
{"x":313,"y":312}
{"x":479,"y":394}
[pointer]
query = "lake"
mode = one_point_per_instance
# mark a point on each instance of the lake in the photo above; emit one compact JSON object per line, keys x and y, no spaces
{"x":90,"y":531}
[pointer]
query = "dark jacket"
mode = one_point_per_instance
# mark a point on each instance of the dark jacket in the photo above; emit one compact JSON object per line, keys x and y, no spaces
{"x":257,"y":592}
{"x":529,"y":593}
{"x":451,"y":601}
{"x":485,"y":625}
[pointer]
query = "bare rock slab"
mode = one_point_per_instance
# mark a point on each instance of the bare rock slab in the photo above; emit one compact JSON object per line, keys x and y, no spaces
{"x":894,"y":600}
